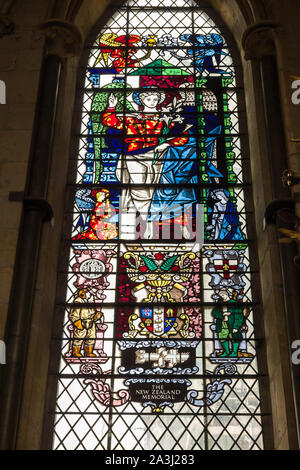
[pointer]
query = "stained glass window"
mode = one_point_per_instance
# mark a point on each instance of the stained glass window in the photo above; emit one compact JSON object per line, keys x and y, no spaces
{"x":158,"y":348}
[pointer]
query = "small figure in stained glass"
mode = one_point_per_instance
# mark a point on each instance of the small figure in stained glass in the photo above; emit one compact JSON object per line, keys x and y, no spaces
{"x":225,"y":219}
{"x":207,"y":50}
{"x":84,"y":320}
{"x":101,"y":226}
{"x":230,"y":320}
{"x":146,"y":143}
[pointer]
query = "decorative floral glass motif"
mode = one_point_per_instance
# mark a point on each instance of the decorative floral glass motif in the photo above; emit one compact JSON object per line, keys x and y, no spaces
{"x":158,"y":339}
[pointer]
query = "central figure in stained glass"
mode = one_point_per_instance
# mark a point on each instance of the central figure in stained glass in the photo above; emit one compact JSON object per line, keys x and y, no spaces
{"x":148,"y":137}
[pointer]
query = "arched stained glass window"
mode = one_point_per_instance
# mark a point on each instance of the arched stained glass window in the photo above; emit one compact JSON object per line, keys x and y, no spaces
{"x":158,"y":348}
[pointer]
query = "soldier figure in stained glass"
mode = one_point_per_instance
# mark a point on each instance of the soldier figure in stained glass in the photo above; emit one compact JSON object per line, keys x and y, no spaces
{"x":145,"y":146}
{"x":84,"y":321}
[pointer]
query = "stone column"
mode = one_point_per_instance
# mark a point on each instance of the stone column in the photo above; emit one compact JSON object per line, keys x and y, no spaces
{"x":62,"y":40}
{"x":259,"y":43}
